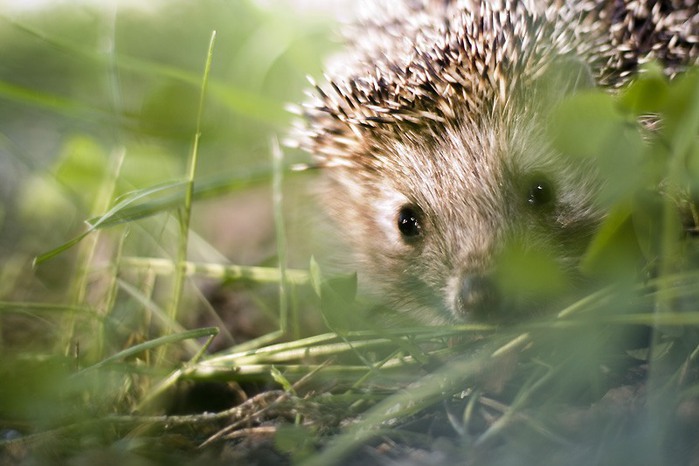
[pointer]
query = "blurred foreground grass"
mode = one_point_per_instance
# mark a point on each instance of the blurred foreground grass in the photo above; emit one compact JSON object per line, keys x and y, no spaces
{"x":183,"y":326}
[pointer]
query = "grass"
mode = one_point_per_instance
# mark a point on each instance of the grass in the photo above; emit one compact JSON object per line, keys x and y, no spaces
{"x":115,"y":348}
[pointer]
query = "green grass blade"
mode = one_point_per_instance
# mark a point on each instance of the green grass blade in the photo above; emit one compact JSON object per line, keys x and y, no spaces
{"x":186,"y":211}
{"x":112,"y":216}
{"x":160,"y":198}
{"x":155,"y":343}
{"x":226,"y":273}
{"x":34,"y":308}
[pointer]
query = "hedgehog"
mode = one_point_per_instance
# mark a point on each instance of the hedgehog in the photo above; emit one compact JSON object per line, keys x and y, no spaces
{"x":430,"y":134}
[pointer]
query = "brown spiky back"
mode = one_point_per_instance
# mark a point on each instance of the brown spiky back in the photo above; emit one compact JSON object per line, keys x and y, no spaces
{"x":415,"y":66}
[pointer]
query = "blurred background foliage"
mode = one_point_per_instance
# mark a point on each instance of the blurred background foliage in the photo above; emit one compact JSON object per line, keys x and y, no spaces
{"x":99,"y":100}
{"x":85,"y":85}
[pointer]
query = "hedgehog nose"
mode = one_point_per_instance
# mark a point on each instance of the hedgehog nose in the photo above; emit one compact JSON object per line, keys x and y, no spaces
{"x":478,"y":297}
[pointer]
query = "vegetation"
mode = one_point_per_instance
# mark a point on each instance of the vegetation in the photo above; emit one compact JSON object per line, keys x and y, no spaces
{"x":187,"y":322}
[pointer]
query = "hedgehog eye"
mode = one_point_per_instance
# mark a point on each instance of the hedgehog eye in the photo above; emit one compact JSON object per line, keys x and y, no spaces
{"x":540,"y":192}
{"x":409,"y":223}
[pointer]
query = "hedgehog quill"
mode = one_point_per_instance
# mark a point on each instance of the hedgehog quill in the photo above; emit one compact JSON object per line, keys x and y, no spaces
{"x":430,"y":131}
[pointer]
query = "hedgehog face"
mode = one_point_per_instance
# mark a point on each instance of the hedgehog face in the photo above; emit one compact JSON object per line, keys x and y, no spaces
{"x":431,"y":223}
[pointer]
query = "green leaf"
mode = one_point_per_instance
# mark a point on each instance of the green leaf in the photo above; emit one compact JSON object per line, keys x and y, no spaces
{"x":681,"y":123}
{"x":614,"y":250}
{"x":529,"y":271}
{"x":584,"y":123}
{"x":648,"y":94}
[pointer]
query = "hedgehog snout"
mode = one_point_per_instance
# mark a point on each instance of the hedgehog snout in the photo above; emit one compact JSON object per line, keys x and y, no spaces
{"x":477,"y":298}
